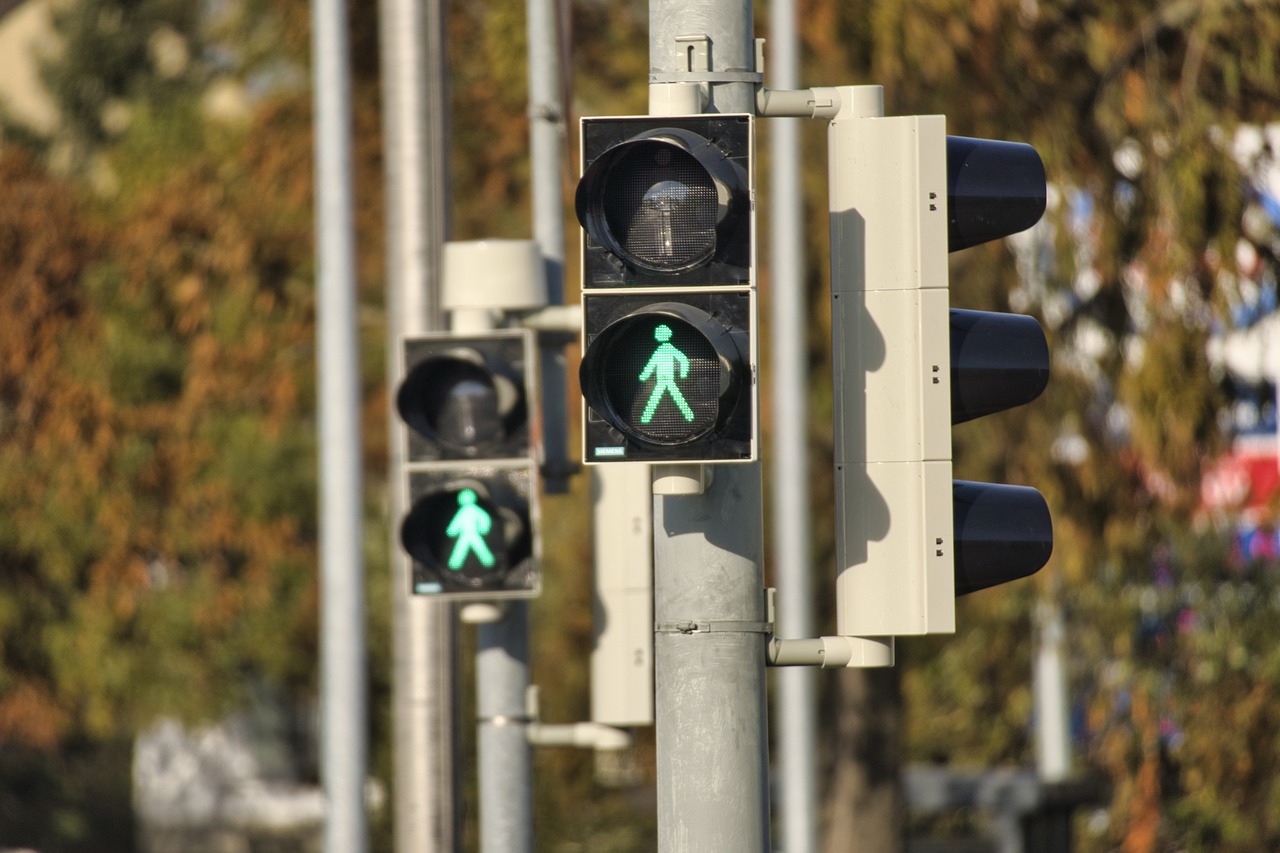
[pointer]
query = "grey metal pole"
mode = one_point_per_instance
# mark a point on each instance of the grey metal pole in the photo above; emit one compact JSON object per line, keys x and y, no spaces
{"x":709,"y":606}
{"x":502,"y":658}
{"x":1052,"y":702}
{"x":505,"y":776}
{"x":796,"y":687}
{"x":502,"y":679}
{"x":546,"y":154}
{"x":677,"y":50}
{"x":709,"y":659}
{"x":344,"y":715}
{"x":423,"y":630}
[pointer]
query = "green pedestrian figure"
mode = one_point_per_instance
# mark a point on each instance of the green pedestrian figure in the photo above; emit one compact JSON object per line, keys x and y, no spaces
{"x":662,"y":367}
{"x":469,"y":527}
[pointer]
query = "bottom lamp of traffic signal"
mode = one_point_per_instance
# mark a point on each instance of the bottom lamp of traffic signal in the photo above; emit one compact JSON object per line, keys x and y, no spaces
{"x":668,"y":380}
{"x":1002,"y":533}
{"x":469,"y":534}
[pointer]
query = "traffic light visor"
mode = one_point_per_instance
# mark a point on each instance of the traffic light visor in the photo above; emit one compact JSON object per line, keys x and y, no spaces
{"x":994,"y":189}
{"x":456,"y":400}
{"x":998,"y":361}
{"x":1002,"y":533}
{"x":664,"y":201}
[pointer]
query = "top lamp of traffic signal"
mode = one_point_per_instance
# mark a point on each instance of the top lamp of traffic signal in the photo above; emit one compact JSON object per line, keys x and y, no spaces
{"x":466,"y":397}
{"x":666,"y":201}
{"x":994,"y":188}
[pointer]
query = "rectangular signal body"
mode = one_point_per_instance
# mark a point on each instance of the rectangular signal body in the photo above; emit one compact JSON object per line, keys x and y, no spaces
{"x":724,"y":288}
{"x":890,"y":343}
{"x":507,"y":470}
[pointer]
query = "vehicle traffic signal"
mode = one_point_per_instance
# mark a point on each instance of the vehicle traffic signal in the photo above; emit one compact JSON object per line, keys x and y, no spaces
{"x":908,"y":366}
{"x":471,"y":529}
{"x":668,"y":290}
{"x":998,"y":361}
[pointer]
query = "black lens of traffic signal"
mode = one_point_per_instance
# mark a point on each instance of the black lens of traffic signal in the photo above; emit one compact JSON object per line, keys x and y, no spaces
{"x":660,"y":205}
{"x":459,"y":403}
{"x":462,"y":408}
{"x":669,"y":200}
{"x":994,"y":188}
{"x":998,"y":361}
{"x":1002,"y":533}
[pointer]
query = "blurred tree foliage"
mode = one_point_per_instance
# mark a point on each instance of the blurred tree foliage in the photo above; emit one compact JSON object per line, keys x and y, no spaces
{"x":157,"y":483}
{"x":157,"y":489}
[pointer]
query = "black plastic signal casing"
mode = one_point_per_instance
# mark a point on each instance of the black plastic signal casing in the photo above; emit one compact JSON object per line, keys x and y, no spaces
{"x":695,"y":162}
{"x":1002,"y":533}
{"x":469,"y":408}
{"x":998,"y":361}
{"x":466,"y":398}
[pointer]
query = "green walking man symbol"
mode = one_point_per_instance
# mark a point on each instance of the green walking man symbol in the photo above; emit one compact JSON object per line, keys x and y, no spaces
{"x":662,"y":367}
{"x":468,"y":528}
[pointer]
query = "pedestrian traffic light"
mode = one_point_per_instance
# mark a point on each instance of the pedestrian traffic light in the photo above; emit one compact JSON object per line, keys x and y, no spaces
{"x":908,"y":366}
{"x":668,"y":289}
{"x":470,"y":469}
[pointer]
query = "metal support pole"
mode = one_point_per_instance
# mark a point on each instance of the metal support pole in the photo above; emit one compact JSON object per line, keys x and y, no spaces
{"x":710,"y":43}
{"x":709,"y":658}
{"x":502,"y":657}
{"x":546,"y":156}
{"x":796,"y":687}
{"x":1049,"y":678}
{"x":344,"y":715}
{"x":423,"y":630}
{"x":502,"y":680}
{"x":710,"y":632}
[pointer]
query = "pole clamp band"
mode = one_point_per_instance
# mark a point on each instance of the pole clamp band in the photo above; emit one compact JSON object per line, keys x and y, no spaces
{"x":714,"y":628}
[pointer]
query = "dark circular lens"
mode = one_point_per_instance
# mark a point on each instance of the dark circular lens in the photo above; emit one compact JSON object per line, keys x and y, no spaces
{"x":459,"y":405}
{"x":466,"y":411}
{"x":663,"y":379}
{"x":661,"y":206}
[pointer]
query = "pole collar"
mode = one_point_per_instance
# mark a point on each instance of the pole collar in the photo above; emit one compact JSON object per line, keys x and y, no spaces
{"x":713,"y":628}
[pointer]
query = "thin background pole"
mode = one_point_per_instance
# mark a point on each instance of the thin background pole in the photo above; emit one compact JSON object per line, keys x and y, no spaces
{"x":424,"y":677}
{"x":343,"y":689}
{"x":796,"y":687}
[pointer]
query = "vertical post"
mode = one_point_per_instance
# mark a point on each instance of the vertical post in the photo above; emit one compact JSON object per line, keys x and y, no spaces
{"x":709,"y":659}
{"x":796,"y":687}
{"x":344,"y":722}
{"x":709,"y":610}
{"x":546,"y":155}
{"x":502,"y":657}
{"x":502,"y":679}
{"x":423,"y":672}
{"x":1053,"y":723}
